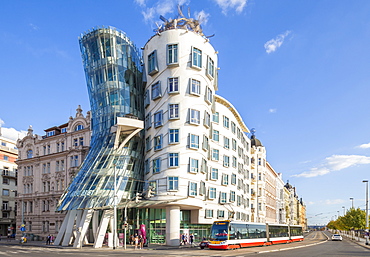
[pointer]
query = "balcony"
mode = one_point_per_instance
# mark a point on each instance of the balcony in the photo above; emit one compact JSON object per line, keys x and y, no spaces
{"x":8,"y":173}
{"x":6,"y":209}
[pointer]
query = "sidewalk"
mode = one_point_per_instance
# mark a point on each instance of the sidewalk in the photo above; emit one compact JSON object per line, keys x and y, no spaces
{"x":358,"y":240}
{"x":13,"y":241}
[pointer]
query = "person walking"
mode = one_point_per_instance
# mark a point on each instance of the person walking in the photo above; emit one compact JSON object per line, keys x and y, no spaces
{"x":136,"y":239}
{"x":191,"y":239}
{"x":48,"y":239}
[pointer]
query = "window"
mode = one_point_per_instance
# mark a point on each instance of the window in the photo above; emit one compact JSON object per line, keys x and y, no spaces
{"x":173,"y":111}
{"x":156,"y":91}
{"x":221,"y":214}
{"x":152,"y":63}
{"x":172,"y":54}
{"x":194,"y":117}
{"x":194,"y":141}
{"x":148,"y":121}
{"x":156,"y":165}
{"x":58,"y":147}
{"x":226,"y":161}
{"x":207,"y":119}
{"x":79,"y":127}
{"x":212,"y":193}
{"x":234,"y":162}
{"x":5,"y":192}
{"x":225,"y":180}
{"x":146,"y":98}
{"x":209,"y":213}
{"x":226,"y":122}
{"x":173,"y":159}
{"x":195,"y":87}
{"x":232,"y":196}
{"x":148,"y":143}
{"x":215,"y":154}
{"x":158,"y":119}
{"x":214,"y":174}
{"x":75,"y":142}
{"x":29,"y":154}
{"x":215,"y":117}
{"x":158,"y":142}
{"x":205,"y":145}
{"x":238,"y":200}
{"x":234,"y":144}
{"x":81,"y":139}
{"x":216,"y":135}
{"x":74,"y":162}
{"x":204,"y":167}
{"x":6,"y":158}
{"x":233,"y":127}
{"x":210,"y":67}
{"x":208,"y":96}
{"x":172,"y":183}
{"x":226,"y":142}
{"x":173,"y":136}
{"x":50,"y":133}
{"x":146,"y":166}
{"x":64,"y":130}
{"x":62,"y":165}
{"x":6,"y":181}
{"x":202,"y":188}
{"x":223,"y":197}
{"x":173,"y":85}
{"x":196,"y":58}
{"x":62,"y":146}
{"x":233,"y":179}
{"x":193,"y":189}
{"x":194,"y":165}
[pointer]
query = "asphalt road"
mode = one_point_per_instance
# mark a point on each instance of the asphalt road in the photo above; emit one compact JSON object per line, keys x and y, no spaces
{"x":315,"y":244}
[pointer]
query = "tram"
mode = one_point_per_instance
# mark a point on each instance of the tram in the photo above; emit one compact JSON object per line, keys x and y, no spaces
{"x":237,"y":234}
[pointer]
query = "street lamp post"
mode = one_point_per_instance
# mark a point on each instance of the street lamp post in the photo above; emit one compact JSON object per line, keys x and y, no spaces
{"x":115,"y":210}
{"x":367,"y":211}
{"x":352,"y":201}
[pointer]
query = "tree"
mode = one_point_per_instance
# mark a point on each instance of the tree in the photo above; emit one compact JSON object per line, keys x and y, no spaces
{"x":354,"y":219}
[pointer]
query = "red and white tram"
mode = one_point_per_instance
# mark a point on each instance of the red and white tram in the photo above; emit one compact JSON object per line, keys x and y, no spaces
{"x":236,"y":234}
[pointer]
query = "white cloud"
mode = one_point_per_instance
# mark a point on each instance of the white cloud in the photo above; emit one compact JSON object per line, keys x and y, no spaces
{"x":33,"y":26}
{"x":140,"y":2}
{"x":272,"y":110}
{"x":333,"y":202}
{"x":202,"y":16}
{"x":364,"y":146}
{"x":335,"y":163}
{"x":11,"y":133}
{"x":225,"y":5}
{"x":273,"y":44}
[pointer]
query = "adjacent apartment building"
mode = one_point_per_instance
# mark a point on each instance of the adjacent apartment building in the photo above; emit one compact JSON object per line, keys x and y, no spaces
{"x":8,"y":185}
{"x":46,"y":165}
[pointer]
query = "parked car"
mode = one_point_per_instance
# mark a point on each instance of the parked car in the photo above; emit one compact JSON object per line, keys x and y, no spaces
{"x":336,"y":237}
{"x":203,"y":244}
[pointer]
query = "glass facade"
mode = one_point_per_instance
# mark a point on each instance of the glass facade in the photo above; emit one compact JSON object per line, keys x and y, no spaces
{"x":113,"y":72}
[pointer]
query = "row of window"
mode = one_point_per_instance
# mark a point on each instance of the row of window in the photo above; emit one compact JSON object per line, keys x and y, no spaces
{"x":172,"y":59}
{"x":173,"y":87}
{"x":209,"y":213}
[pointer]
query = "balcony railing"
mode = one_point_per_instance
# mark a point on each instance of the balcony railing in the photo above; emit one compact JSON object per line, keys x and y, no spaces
{"x":6,"y":209}
{"x":8,"y":173}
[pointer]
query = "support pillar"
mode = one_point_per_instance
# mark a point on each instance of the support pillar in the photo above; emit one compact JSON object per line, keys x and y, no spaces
{"x":173,"y":225}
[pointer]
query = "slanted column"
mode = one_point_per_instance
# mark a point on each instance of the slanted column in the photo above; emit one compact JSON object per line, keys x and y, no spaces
{"x":173,"y":225}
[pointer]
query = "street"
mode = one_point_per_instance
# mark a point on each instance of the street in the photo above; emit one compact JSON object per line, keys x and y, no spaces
{"x":315,"y":244}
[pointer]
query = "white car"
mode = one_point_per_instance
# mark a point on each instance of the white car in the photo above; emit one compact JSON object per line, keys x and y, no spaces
{"x":336,"y":237}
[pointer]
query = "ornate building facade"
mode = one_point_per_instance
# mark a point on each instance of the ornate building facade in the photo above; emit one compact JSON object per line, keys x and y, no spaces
{"x":47,"y":164}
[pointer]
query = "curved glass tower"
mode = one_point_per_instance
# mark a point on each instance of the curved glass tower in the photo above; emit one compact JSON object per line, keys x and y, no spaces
{"x":113,"y":72}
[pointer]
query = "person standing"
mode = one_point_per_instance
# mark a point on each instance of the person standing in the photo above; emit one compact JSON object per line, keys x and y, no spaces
{"x":136,"y":239}
{"x":48,"y":240}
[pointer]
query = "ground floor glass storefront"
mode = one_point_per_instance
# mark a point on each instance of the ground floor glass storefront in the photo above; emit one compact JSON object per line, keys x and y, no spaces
{"x":155,"y":222}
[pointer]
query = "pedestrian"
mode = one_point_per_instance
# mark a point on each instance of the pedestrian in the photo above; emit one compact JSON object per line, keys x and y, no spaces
{"x":182,"y":239}
{"x":136,"y":239}
{"x":132,"y":239}
{"x":52,"y":239}
{"x":191,"y":239}
{"x":141,"y":241}
{"x":48,"y":239}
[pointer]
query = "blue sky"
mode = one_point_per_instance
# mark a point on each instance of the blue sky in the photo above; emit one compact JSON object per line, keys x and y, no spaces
{"x":297,"y":71}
